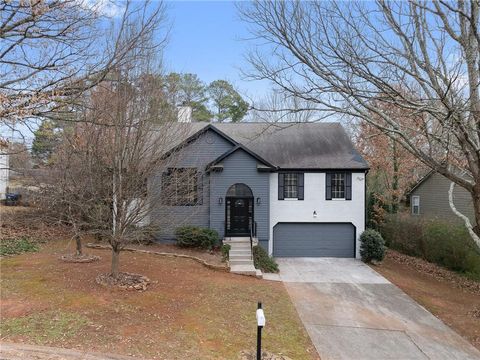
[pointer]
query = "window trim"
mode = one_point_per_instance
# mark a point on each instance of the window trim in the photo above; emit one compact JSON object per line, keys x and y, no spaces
{"x":413,"y":205}
{"x":340,"y":187}
{"x":290,"y":188}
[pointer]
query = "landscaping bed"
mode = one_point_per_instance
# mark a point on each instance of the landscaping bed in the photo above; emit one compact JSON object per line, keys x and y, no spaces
{"x":212,"y":257}
{"x":188,"y":310}
{"x":451,"y":297}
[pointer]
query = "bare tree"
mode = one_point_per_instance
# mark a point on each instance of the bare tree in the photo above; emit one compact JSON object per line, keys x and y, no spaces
{"x":100,"y":173}
{"x":349,"y":57}
{"x":52,"y":52}
{"x":281,"y":107}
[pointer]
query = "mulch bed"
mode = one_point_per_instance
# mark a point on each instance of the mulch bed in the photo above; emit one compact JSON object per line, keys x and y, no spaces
{"x":124,"y":281}
{"x":221,"y":267}
{"x":435,"y":271}
{"x":84,"y":258}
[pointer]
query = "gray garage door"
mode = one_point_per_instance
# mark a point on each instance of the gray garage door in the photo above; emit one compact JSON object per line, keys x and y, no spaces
{"x":313,"y":240}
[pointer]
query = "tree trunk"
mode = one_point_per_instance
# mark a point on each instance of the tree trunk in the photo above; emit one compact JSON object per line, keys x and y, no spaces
{"x":476,"y":208}
{"x":472,"y":228}
{"x":395,"y":182}
{"x":115,"y":262}
{"x":78,"y":242}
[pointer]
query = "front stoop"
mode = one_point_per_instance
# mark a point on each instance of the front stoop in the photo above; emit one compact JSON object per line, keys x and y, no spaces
{"x":240,"y":257}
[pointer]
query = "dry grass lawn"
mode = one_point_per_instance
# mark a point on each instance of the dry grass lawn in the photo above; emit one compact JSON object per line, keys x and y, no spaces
{"x":188,"y":312}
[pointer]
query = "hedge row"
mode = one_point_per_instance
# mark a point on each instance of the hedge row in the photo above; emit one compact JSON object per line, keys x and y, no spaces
{"x":444,"y":243}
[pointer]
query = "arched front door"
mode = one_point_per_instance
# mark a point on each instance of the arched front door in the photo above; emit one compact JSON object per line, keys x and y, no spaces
{"x":238,"y":210}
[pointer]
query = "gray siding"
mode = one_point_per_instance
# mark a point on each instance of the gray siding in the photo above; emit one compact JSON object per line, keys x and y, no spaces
{"x":240,"y":167}
{"x":433,"y":194}
{"x":206,"y":148}
{"x":314,"y":240}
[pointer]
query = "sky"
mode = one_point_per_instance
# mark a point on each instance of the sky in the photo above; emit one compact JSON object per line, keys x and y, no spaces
{"x":208,"y":39}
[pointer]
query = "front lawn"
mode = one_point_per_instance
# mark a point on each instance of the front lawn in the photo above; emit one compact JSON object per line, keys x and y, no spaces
{"x":451,"y":297}
{"x":188,"y":311}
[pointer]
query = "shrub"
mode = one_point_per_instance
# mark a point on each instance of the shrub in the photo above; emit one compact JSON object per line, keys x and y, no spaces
{"x":17,"y":246}
{"x":197,"y":237}
{"x":225,"y":249}
{"x":372,"y":246}
{"x":263,"y":261}
{"x":441,"y":242}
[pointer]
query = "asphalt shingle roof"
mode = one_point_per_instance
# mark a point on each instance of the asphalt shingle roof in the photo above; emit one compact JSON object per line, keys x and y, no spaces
{"x":298,"y":145}
{"x":290,"y":145}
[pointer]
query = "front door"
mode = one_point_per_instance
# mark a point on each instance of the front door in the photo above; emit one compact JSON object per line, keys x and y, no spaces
{"x":239,"y":213}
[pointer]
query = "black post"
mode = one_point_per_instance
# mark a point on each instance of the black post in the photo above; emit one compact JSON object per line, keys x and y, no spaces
{"x":259,"y":337}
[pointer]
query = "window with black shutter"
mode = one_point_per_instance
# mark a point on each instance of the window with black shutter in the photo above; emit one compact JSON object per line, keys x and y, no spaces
{"x":290,"y":186}
{"x":338,"y":185}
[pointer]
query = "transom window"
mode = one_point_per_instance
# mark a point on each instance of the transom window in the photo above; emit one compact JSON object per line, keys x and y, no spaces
{"x":290,"y":189}
{"x":338,"y":186}
{"x":180,"y":187}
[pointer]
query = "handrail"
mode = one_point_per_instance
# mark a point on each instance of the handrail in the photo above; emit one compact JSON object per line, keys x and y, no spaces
{"x":251,"y":241}
{"x":253,"y":233}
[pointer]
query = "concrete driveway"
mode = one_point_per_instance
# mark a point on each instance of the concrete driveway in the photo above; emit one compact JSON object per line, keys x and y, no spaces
{"x":351,"y":312}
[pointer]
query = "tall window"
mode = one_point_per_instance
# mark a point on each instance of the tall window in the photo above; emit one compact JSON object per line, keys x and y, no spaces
{"x":290,"y":186}
{"x":179,"y":187}
{"x":416,"y":205}
{"x":290,"y":189}
{"x":338,"y":186}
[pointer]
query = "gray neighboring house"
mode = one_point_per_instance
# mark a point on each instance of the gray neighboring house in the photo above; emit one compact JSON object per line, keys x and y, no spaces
{"x":429,"y":199}
{"x":298,"y":189}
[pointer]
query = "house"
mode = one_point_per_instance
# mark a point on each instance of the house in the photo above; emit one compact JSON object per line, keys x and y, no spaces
{"x":429,"y":199}
{"x":298,"y":189}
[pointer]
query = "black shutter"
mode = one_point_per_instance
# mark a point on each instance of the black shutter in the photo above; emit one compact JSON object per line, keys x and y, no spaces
{"x":348,"y":186}
{"x":328,"y":186}
{"x":300,"y":189}
{"x":281,"y":179}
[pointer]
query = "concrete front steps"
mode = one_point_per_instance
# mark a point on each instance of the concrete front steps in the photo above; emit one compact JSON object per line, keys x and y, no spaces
{"x":240,"y":256}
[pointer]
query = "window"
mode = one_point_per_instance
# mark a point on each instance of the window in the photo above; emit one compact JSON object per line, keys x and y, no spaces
{"x":290,"y":186}
{"x":179,"y":187}
{"x":416,"y":205}
{"x":339,"y":185}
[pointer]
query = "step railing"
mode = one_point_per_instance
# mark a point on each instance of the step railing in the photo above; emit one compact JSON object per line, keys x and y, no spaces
{"x":253,"y":233}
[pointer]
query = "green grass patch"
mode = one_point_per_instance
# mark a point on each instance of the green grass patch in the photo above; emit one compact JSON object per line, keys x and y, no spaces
{"x":44,"y":327}
{"x":16,"y":246}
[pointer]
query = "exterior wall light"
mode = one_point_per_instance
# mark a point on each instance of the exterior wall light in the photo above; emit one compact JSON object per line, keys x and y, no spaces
{"x":220,"y":201}
{"x":259,"y":201}
{"x":315,"y":213}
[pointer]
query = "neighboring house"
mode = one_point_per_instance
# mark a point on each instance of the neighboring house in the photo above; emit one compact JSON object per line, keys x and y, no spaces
{"x":429,"y":198}
{"x":4,"y":169}
{"x":298,"y":188}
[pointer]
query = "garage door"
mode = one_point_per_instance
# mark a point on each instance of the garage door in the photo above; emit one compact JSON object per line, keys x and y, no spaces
{"x":314,"y":240}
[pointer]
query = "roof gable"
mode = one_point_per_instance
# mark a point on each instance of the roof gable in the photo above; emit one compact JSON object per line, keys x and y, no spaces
{"x":240,"y":147}
{"x":314,"y":146}
{"x":306,"y":146}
